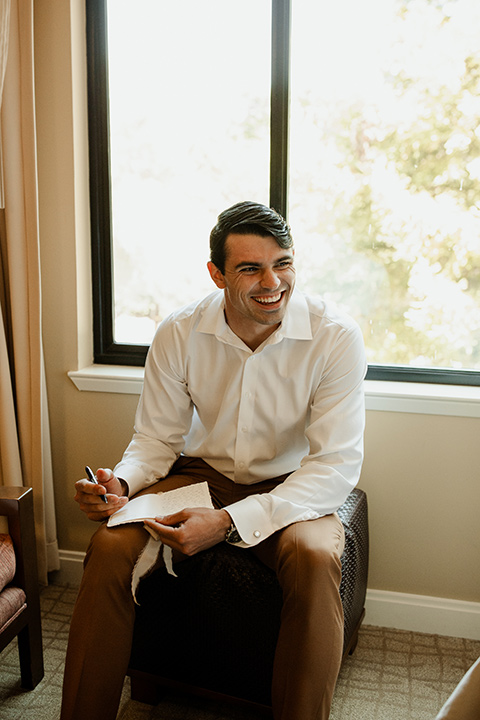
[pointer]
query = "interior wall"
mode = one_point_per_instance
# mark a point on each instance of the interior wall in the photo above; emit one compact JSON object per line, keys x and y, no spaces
{"x":420,"y":472}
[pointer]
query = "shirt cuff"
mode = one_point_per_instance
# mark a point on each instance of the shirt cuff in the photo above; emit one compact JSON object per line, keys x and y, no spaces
{"x":250,"y":520}
{"x":253,"y":517}
{"x":133,"y":476}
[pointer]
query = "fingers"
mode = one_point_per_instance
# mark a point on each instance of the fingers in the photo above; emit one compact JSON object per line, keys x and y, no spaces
{"x":191,"y":530}
{"x":167,"y":532}
{"x":113,"y":484}
{"x":90,"y":497}
{"x":106,"y":483}
{"x":174,"y":519}
{"x":96,"y":509}
{"x":88,"y":491}
{"x":85,"y":488}
{"x":172,"y":536}
{"x":104,"y":475}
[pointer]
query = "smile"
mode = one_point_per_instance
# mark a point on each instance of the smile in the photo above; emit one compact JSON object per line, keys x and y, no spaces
{"x":268,"y":299}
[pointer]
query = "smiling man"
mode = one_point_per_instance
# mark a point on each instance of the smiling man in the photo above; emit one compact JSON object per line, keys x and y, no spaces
{"x":258,"y":278}
{"x":257,"y":390}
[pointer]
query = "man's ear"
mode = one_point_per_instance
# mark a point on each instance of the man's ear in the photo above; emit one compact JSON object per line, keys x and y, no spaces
{"x":216,"y":275}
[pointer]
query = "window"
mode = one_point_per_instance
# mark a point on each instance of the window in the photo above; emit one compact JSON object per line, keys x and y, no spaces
{"x":372,"y":108}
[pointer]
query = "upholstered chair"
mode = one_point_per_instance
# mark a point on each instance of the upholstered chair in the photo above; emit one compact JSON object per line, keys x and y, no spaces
{"x":19,"y":591}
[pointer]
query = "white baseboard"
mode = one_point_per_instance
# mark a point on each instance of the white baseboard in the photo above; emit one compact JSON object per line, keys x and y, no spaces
{"x":421,"y":613}
{"x":418,"y":613}
{"x":71,"y":568}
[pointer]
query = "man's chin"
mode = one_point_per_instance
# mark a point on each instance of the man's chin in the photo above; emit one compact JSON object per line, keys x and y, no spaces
{"x":270,"y":317}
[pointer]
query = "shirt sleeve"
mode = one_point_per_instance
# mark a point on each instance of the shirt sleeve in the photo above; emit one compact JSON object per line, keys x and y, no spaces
{"x":163,"y":416}
{"x":332,"y":467}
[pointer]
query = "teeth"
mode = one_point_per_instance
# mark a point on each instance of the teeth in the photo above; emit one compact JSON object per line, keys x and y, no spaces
{"x":269,"y":300}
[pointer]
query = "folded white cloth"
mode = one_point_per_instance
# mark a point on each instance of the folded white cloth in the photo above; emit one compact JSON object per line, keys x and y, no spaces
{"x":147,"y":560}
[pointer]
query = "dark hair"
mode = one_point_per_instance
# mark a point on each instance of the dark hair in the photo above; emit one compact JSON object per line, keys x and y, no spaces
{"x":247,"y":218}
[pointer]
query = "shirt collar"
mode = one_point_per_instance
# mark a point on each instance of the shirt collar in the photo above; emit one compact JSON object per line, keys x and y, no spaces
{"x":295,"y":325}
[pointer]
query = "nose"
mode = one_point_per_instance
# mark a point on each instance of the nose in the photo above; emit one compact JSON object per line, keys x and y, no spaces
{"x":270,"y":280}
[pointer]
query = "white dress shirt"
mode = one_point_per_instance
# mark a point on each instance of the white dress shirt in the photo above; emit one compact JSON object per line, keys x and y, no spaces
{"x":294,"y":405}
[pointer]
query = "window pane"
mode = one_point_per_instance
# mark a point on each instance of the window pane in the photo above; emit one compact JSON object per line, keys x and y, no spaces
{"x":385,"y":171}
{"x":189,"y":121}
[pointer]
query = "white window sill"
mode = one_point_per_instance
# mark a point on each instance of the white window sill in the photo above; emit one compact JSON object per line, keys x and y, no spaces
{"x":109,"y":378}
{"x":423,"y":398}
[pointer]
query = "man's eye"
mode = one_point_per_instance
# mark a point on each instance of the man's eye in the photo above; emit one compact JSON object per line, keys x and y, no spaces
{"x":285,"y":264}
{"x":249,"y":269}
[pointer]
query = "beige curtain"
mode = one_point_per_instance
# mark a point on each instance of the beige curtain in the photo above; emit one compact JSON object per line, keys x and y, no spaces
{"x":24,"y":431}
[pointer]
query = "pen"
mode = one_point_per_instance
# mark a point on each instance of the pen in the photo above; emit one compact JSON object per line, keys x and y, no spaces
{"x":93,"y":479}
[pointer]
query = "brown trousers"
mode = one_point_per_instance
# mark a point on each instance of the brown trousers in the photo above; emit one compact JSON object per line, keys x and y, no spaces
{"x":464,"y":702}
{"x":306,"y":558}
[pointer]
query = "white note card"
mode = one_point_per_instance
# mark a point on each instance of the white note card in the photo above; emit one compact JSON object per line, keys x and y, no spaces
{"x":147,"y":507}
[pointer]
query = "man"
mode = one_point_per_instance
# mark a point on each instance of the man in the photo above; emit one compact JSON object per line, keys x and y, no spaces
{"x":258,"y":390}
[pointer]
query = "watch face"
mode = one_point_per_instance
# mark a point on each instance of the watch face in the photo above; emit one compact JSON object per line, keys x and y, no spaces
{"x":232,"y":535}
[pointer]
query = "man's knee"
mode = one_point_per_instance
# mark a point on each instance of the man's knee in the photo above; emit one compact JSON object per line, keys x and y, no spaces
{"x":312,"y":550}
{"x":112,"y":545}
{"x":324,"y":537}
{"x":313,"y":557}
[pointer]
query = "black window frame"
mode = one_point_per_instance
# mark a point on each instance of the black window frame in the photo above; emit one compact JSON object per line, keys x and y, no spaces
{"x":106,"y":350}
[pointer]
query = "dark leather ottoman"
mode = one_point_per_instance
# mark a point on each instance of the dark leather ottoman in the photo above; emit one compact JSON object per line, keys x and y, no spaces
{"x":213,"y":629}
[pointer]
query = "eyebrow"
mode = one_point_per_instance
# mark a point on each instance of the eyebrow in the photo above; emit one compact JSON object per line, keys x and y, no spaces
{"x":253,"y":263}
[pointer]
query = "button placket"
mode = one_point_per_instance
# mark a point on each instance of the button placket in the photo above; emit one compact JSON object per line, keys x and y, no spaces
{"x":245,"y":412}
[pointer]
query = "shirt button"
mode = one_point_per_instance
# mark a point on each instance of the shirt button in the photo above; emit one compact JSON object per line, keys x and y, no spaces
{"x":241,"y":464}
{"x":244,"y":429}
{"x":257,"y":533}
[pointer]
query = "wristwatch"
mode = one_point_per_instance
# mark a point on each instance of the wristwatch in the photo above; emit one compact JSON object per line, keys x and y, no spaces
{"x":232,"y":536}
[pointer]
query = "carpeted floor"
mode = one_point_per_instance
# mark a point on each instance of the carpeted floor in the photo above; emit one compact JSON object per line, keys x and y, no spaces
{"x":393,"y":675}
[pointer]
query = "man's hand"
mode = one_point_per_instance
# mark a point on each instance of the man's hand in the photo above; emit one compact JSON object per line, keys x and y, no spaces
{"x":89,"y":495}
{"x":192,"y":530}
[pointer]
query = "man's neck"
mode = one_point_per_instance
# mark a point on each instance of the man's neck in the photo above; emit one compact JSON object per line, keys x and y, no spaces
{"x":252,"y":336}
